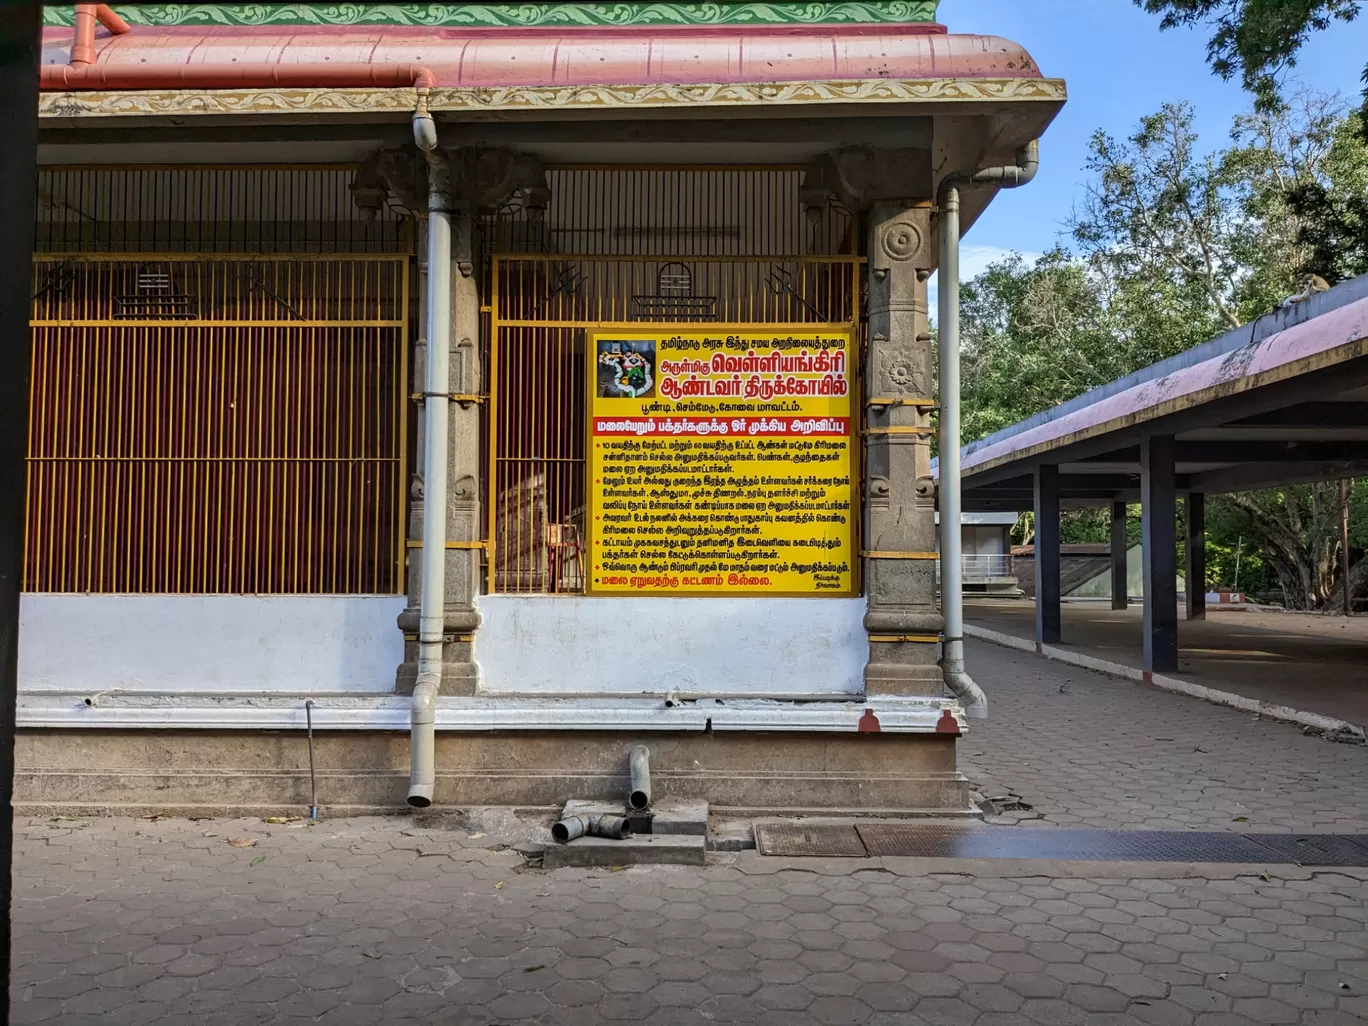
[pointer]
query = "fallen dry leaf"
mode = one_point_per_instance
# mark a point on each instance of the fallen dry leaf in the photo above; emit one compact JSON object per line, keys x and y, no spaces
{"x":499,"y":885}
{"x":242,"y":842}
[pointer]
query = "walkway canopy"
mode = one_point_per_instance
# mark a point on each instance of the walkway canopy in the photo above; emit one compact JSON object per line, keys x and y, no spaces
{"x":1281,"y":401}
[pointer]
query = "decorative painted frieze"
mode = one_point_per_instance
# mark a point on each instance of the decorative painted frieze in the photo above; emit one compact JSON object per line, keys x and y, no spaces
{"x":527,"y":15}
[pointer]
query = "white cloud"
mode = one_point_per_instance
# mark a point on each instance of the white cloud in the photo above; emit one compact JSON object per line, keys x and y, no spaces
{"x":974,"y":260}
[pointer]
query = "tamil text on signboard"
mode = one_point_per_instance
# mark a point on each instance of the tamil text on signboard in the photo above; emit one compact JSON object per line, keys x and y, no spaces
{"x":721,"y":464}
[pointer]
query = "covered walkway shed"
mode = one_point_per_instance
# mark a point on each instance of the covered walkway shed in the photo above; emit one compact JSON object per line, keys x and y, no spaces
{"x":1280,"y":401}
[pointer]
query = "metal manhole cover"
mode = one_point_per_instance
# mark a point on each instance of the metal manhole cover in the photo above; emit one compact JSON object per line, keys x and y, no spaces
{"x":1315,"y":849}
{"x":805,"y":840}
{"x":1067,"y":845}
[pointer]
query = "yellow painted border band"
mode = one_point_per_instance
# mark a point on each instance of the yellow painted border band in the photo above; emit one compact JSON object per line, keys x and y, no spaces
{"x":922,"y":402}
{"x":455,"y":397}
{"x":915,"y":639}
{"x":899,"y":429}
{"x":416,"y":544}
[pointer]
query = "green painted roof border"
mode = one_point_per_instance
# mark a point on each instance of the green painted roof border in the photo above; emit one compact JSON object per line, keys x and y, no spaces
{"x":527,"y":15}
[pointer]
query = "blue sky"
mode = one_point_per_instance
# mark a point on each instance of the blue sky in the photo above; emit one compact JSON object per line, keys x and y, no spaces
{"x":1119,"y":66}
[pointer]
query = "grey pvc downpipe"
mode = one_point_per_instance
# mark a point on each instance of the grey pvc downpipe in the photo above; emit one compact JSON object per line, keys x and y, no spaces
{"x":432,"y":600}
{"x":951,"y":499}
{"x":639,"y":764}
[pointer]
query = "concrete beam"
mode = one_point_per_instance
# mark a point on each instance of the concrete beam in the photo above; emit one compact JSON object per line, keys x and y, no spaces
{"x":902,"y":132}
{"x":1237,"y":451}
{"x":1310,"y":415}
{"x":1249,"y":476}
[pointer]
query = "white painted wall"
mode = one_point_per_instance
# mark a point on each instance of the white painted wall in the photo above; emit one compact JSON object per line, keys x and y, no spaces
{"x":198,"y":643}
{"x":752,"y":646}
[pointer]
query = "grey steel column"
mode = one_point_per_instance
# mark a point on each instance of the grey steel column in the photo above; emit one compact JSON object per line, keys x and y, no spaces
{"x":19,"y":50}
{"x":1047,"y":555}
{"x":1194,"y":515}
{"x":1119,"y":583}
{"x":1159,"y":503}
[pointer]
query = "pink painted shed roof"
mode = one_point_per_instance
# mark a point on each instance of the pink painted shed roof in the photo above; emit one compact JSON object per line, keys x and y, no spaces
{"x":1337,"y":336}
{"x":493,"y":58}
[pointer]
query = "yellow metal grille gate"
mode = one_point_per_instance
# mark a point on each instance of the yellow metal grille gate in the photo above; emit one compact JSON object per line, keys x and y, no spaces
{"x":225,"y":412}
{"x":630,"y":248}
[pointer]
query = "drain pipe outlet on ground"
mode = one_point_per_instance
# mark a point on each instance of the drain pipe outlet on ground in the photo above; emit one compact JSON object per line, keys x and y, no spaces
{"x":573,"y":827}
{"x":951,"y":505}
{"x":432,"y":603}
{"x":639,"y":763}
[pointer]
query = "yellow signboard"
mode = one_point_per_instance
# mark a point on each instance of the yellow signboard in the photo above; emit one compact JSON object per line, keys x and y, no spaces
{"x":721,"y":464}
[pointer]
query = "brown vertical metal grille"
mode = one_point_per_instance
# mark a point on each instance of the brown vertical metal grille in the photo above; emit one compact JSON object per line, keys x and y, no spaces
{"x":625,"y":247}
{"x":211,"y":413}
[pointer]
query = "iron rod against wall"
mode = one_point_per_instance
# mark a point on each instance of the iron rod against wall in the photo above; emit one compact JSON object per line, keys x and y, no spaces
{"x":313,"y":786}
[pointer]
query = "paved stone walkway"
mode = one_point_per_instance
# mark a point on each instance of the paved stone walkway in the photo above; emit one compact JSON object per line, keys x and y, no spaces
{"x":1303,"y":660}
{"x":440,"y":920}
{"x":1089,"y":750}
{"x":376,"y":921}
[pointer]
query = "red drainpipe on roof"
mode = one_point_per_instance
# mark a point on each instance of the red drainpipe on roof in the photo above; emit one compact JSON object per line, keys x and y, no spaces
{"x":83,"y":49}
{"x":82,"y":73}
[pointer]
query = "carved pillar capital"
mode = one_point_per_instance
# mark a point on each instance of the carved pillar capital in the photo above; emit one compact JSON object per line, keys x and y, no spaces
{"x":855,"y":178}
{"x":478,"y":179}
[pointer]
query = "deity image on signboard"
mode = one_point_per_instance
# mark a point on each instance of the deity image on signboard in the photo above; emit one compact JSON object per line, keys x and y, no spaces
{"x":626,"y":368}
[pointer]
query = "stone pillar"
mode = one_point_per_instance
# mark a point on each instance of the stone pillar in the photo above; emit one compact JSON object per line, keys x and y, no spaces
{"x":482,"y":181}
{"x":1194,"y":513}
{"x":1119,"y":578}
{"x":900,"y":513}
{"x":1047,"y":555}
{"x":1159,"y":512}
{"x":459,"y":673}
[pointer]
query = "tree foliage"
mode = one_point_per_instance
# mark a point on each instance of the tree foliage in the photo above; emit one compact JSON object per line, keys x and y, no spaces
{"x":1258,"y":41}
{"x":1171,"y":247}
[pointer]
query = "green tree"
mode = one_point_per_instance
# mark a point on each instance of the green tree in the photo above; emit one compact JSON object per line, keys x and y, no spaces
{"x":1173,"y":247}
{"x":1033,"y":337}
{"x":1258,"y":41}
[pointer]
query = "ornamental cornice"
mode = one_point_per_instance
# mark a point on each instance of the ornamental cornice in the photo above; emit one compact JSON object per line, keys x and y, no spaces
{"x":527,"y":15}
{"x":542,"y":98}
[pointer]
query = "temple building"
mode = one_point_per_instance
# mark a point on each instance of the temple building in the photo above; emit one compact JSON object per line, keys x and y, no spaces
{"x":488,"y":388}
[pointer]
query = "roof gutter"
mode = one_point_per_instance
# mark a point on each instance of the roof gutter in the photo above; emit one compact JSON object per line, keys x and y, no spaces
{"x":82,"y":73}
{"x":1010,"y":176}
{"x":70,"y":77}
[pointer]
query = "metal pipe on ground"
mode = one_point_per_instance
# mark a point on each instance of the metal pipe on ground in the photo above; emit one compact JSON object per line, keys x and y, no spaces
{"x":572,"y":827}
{"x":639,"y":763}
{"x":1010,"y":176}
